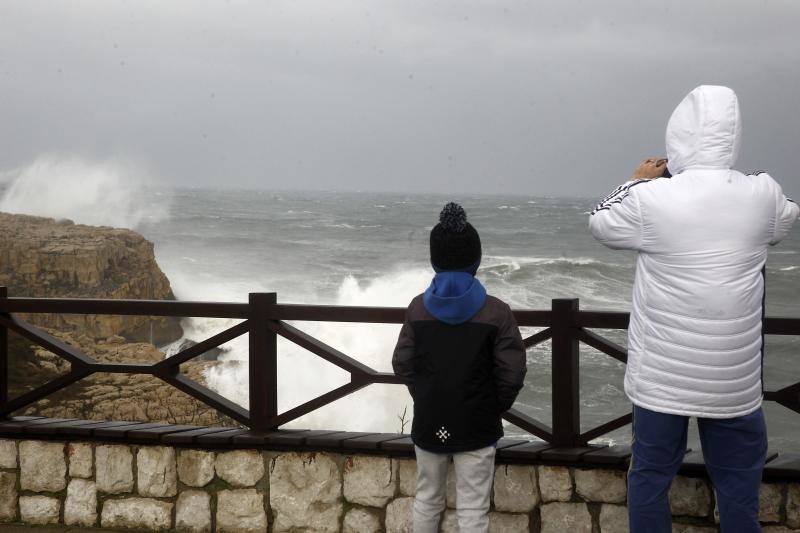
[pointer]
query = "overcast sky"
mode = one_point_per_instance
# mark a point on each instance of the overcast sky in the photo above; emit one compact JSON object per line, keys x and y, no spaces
{"x":538,"y":98}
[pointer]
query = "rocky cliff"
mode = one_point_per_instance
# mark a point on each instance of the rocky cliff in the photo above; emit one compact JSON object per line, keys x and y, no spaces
{"x":42,"y":257}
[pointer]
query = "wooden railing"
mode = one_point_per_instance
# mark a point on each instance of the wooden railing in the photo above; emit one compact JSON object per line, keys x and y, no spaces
{"x":265,"y":319}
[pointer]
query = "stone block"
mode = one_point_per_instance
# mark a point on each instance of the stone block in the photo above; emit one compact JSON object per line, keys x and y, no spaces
{"x":770,"y":499}
{"x":43,"y":467}
{"x":39,"y":510}
{"x":193,"y":512}
{"x":370,"y":481}
{"x":156,"y":474}
{"x":8,"y":497}
{"x":114,"y":469}
{"x":508,"y":523}
{"x":80,"y":460}
{"x":449,"y":522}
{"x":407,"y":472}
{"x":606,"y":486}
{"x":137,"y":513}
{"x":689,"y":496}
{"x":555,"y":483}
{"x":793,"y":505}
{"x":305,"y":492}
{"x":242,"y":511}
{"x":777,"y":529}
{"x":195,"y":467}
{"x":613,"y":519}
{"x":399,"y":516}
{"x":8,"y":453}
{"x":515,"y":488}
{"x":358,"y":520}
{"x":562,"y":517}
{"x":691,"y":528}
{"x":80,"y":507}
{"x":240,"y":468}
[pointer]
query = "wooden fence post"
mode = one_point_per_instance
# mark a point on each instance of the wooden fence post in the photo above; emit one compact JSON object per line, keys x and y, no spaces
{"x":3,"y":357}
{"x":565,"y":365}
{"x":263,"y":364}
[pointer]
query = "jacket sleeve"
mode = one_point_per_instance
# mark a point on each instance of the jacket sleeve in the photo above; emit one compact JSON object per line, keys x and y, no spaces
{"x":617,"y":220}
{"x":510,"y":362}
{"x":404,"y":353}
{"x":786,"y":213}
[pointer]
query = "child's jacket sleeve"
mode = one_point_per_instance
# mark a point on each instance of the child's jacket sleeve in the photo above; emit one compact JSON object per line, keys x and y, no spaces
{"x":403,"y":358}
{"x":510,"y":363}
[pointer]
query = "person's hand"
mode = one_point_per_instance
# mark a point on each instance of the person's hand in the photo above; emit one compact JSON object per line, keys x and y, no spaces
{"x":650,"y":168}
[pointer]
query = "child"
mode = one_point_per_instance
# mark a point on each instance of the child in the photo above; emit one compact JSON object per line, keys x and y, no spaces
{"x":461,"y":355}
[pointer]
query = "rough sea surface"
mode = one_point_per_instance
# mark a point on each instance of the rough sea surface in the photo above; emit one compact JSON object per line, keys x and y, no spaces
{"x":372,"y":249}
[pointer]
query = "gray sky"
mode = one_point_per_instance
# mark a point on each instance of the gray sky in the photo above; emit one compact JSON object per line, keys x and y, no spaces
{"x":558,"y":98}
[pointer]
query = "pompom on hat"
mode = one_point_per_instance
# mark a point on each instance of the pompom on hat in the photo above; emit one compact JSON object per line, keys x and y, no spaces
{"x":455,"y":244}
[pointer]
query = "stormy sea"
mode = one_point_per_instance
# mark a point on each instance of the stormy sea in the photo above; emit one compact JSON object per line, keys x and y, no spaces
{"x":372,"y":249}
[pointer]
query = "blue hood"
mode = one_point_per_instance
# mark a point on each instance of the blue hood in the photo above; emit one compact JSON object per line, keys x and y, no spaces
{"x":454,"y":297}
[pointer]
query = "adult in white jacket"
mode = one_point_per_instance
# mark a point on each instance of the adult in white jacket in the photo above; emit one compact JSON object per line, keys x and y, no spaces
{"x":694,"y":342}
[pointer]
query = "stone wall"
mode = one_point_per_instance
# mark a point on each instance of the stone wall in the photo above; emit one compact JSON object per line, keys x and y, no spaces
{"x":154,"y":488}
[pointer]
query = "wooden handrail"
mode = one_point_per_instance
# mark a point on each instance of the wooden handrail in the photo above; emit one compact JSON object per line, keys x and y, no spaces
{"x":565,"y":325}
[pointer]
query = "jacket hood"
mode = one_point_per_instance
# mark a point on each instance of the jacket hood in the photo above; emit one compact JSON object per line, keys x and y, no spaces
{"x":705,"y":130}
{"x":454,"y":297}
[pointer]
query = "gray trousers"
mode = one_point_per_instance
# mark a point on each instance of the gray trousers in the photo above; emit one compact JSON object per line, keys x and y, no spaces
{"x":474,"y":476}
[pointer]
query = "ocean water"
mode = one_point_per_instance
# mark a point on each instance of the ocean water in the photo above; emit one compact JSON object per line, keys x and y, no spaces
{"x":372,"y":249}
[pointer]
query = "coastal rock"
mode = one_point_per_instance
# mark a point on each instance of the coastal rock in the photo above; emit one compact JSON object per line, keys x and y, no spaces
{"x":40,"y":257}
{"x":607,"y":486}
{"x":241,"y":511}
{"x":114,"y":464}
{"x":399,"y":516}
{"x":156,"y":474}
{"x":39,"y":510}
{"x":555,"y":483}
{"x":407,"y":474}
{"x":80,"y":459}
{"x":195,"y":467}
{"x":560,"y":517}
{"x":689,"y":496}
{"x":305,"y":492}
{"x":358,"y":520}
{"x":43,"y":467}
{"x":8,"y":453}
{"x":80,"y":507}
{"x":614,"y":519}
{"x":515,"y":488}
{"x":8,"y":497}
{"x":137,"y":513}
{"x":369,"y":481}
{"x":193,"y":512}
{"x":240,"y":468}
{"x":508,"y":523}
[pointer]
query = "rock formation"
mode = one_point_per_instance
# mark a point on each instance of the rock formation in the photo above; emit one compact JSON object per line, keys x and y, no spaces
{"x":42,"y":257}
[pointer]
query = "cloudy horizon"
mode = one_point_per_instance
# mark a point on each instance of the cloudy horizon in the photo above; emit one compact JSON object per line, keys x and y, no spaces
{"x":470,"y":97}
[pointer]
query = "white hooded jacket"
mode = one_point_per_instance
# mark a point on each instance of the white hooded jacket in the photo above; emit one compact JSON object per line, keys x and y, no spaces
{"x":694,"y":341}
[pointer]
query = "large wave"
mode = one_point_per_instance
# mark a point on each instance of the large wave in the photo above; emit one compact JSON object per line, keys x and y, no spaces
{"x":99,"y":193}
{"x":303,"y":376}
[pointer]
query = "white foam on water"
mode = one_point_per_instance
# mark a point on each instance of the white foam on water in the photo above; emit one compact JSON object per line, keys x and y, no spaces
{"x":303,"y":376}
{"x":100,"y":193}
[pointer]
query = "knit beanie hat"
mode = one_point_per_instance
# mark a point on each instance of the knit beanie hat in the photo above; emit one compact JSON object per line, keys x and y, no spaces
{"x":455,"y":245}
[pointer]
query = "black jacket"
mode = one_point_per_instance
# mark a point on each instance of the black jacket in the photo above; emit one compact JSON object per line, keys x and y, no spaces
{"x":462,"y":377}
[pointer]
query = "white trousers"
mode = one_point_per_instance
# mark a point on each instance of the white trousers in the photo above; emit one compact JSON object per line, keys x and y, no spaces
{"x":474,"y":476}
